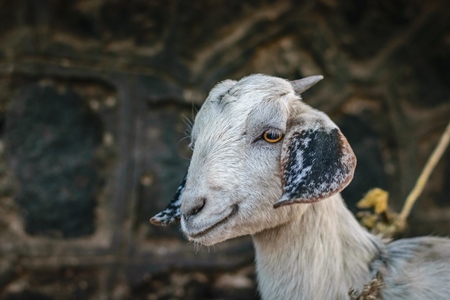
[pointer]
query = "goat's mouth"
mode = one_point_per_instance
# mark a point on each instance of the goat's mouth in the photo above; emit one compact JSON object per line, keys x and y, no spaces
{"x":197,"y":233}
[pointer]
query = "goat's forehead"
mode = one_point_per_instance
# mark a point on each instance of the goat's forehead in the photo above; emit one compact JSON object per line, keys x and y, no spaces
{"x":257,"y":89}
{"x":229,"y":103}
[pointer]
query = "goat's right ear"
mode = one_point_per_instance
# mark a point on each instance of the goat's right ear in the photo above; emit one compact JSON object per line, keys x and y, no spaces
{"x":316,"y":159}
{"x":172,"y":213}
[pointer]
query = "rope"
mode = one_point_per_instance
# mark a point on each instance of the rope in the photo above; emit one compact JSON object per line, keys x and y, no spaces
{"x":423,"y":178}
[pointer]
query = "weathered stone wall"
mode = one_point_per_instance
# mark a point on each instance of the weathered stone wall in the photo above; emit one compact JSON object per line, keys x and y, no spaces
{"x":93,"y":97}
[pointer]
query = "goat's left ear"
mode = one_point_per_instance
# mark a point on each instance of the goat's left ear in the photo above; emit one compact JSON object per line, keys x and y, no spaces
{"x":316,"y":159}
{"x":172,"y":213}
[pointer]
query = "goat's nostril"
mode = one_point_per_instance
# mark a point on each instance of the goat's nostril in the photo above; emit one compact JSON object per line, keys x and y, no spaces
{"x":195,"y":210}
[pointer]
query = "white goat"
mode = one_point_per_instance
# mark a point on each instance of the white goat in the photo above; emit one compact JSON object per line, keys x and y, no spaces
{"x":256,"y":146}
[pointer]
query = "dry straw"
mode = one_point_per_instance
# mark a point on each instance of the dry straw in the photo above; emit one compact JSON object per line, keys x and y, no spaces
{"x":388,"y":223}
{"x":423,"y":178}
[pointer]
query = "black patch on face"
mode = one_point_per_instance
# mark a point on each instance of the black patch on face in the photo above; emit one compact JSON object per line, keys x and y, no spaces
{"x":171,"y":214}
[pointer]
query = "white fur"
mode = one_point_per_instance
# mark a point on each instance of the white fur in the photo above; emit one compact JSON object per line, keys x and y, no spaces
{"x":303,"y":251}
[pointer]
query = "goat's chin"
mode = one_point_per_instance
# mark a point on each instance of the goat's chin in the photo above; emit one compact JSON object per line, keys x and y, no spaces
{"x":208,"y":240}
{"x":217,"y":236}
{"x":214,"y":236}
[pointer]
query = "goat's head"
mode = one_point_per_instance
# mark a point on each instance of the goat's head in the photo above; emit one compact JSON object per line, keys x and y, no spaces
{"x":257,"y":147}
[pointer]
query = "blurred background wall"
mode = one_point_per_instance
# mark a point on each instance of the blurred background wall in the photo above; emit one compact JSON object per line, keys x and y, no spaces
{"x":93,"y":96}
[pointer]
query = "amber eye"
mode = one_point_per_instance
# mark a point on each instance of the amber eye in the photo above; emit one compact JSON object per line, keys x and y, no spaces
{"x":272,"y":137}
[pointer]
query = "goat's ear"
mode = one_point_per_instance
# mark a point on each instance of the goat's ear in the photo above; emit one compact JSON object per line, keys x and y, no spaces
{"x":316,"y":159}
{"x":172,"y":213}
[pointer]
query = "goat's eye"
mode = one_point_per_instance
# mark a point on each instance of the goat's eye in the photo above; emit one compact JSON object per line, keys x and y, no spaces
{"x":272,"y":137}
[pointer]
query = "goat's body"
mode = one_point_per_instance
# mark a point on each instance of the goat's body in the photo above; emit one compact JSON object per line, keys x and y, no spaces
{"x":416,"y":268}
{"x":325,"y":252}
{"x":257,"y":150}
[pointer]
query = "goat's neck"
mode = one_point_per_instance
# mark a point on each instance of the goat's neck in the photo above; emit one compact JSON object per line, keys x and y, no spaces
{"x":320,"y":254}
